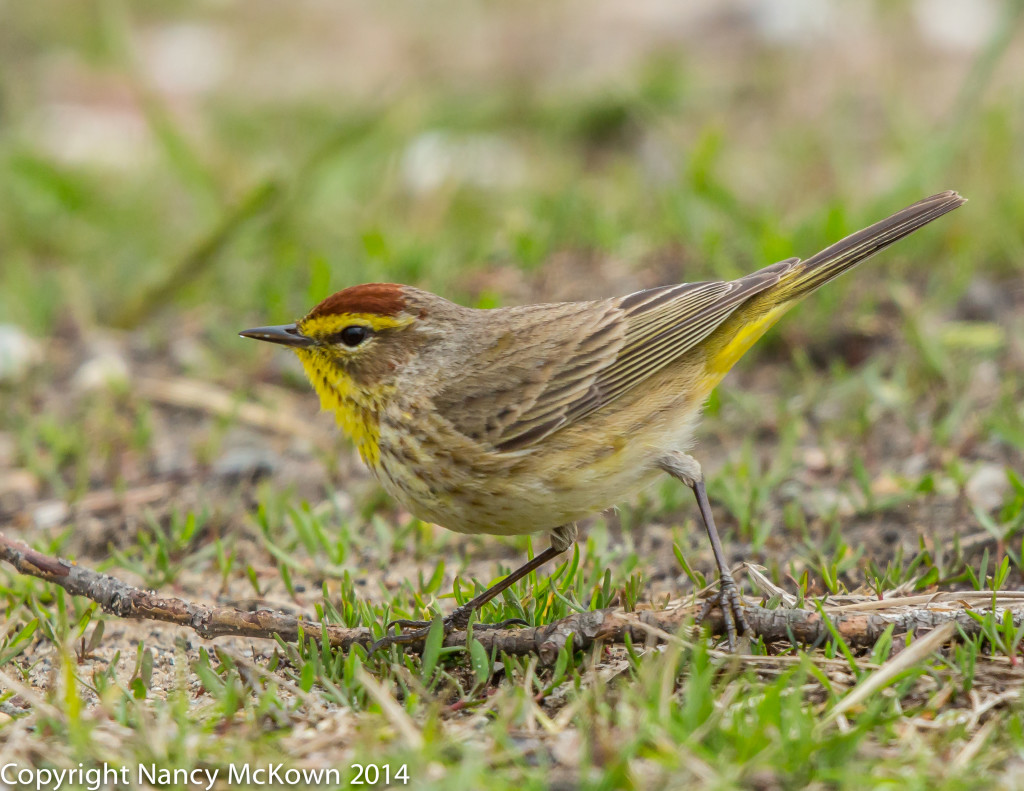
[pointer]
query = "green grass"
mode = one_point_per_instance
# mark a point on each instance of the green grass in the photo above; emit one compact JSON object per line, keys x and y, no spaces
{"x":843,"y":455}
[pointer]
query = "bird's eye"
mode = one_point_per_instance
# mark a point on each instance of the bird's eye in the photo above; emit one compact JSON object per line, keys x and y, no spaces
{"x":354,"y":335}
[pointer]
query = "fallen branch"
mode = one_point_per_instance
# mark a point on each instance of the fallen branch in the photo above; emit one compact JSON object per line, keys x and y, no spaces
{"x":126,"y":601}
{"x":859,"y":628}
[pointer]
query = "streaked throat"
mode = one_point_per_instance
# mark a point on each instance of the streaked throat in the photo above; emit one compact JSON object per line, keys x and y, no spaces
{"x":356,"y":409}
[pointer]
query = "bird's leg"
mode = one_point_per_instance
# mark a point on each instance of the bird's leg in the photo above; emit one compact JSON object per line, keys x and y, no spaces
{"x":459,"y":618}
{"x":561,"y":539}
{"x":686,"y":469}
{"x":728,"y":598}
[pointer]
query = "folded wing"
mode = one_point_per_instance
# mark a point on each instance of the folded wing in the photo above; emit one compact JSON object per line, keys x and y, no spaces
{"x":565,"y":361}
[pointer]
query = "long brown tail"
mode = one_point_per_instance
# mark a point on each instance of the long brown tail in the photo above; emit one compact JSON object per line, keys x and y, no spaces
{"x":778,"y":287}
{"x":847,"y":253}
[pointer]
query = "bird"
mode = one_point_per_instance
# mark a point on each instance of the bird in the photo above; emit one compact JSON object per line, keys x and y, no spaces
{"x":527,"y":419}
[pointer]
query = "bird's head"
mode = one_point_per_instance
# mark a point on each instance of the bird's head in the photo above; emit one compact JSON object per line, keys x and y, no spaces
{"x":353,"y":346}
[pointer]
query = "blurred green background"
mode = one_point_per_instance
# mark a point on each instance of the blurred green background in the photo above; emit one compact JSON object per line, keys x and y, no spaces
{"x":222,"y":163}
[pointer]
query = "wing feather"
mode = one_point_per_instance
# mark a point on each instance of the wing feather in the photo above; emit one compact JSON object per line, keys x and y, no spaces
{"x":587,"y":354}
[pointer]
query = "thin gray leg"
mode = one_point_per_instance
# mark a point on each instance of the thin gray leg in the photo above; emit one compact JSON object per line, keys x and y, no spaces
{"x":561,"y":539}
{"x":686,"y":469}
{"x":728,"y":598}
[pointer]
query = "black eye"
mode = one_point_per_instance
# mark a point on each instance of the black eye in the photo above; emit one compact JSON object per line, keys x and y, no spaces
{"x":354,"y":335}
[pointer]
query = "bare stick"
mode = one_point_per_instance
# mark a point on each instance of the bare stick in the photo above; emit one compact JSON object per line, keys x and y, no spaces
{"x":126,"y":601}
{"x":859,"y":628}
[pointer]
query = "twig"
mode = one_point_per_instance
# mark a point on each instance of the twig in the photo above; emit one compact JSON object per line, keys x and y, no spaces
{"x":259,"y":200}
{"x":860,"y":629}
{"x":126,"y":601}
{"x":204,"y":397}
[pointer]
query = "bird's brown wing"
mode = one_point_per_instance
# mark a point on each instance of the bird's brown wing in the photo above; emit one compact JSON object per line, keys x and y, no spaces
{"x":565,"y":361}
{"x":528,"y":371}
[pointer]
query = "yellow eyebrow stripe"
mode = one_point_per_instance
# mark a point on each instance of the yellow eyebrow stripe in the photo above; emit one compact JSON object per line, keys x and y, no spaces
{"x":323,"y":325}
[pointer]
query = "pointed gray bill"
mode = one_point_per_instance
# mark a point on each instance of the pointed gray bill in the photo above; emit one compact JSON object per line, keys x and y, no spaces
{"x":285,"y":334}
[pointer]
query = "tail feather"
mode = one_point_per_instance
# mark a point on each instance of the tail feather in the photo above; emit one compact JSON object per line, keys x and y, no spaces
{"x":780,"y":286}
{"x":831,"y":262}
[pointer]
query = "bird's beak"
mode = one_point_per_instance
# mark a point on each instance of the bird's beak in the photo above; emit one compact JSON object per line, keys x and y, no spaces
{"x":285,"y":334}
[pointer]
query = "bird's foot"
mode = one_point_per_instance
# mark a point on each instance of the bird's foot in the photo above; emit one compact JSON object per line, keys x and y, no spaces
{"x":729,"y":601}
{"x":415,"y":631}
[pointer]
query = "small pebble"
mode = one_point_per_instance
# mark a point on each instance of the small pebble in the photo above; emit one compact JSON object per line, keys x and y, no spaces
{"x":886,"y":485}
{"x":18,"y":353}
{"x":436,"y":158}
{"x":815,"y":460}
{"x":184,"y":59}
{"x":50,"y":513}
{"x":983,"y":300}
{"x":245,"y":463}
{"x":793,"y":22}
{"x":107,"y":369}
{"x":987,"y":487}
{"x":915,"y":465}
{"x":18,"y":488}
{"x":956,"y":25}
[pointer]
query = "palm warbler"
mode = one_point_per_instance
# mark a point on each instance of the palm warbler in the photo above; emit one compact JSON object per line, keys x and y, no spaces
{"x":526,"y":419}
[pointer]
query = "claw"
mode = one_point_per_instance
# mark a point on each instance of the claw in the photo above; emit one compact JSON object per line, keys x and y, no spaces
{"x":729,"y":601}
{"x":418,"y":630}
{"x":406,"y":624}
{"x":405,"y":638}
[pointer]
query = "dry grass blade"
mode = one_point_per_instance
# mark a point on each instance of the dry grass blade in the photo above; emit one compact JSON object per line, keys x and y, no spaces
{"x":915,"y":653}
{"x":957,"y":599}
{"x":767,"y":587}
{"x":395,"y":714}
{"x":971,"y":749}
{"x":204,"y":397}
